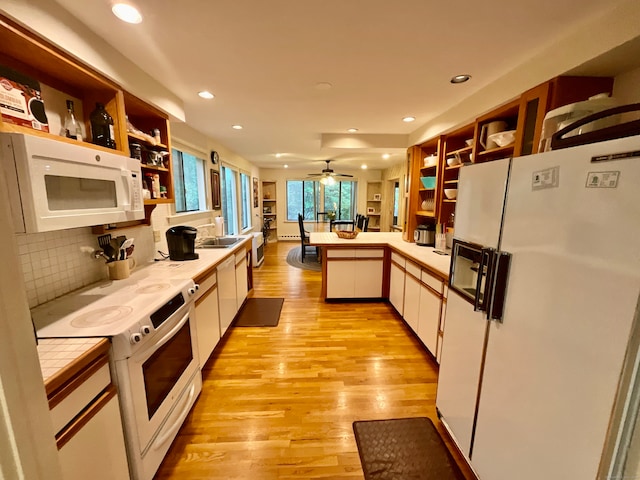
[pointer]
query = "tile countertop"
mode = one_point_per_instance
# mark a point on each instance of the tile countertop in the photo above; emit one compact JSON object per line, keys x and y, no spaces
{"x":61,"y":358}
{"x":422,"y":255}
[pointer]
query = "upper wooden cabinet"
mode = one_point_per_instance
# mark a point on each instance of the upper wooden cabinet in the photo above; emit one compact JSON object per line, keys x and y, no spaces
{"x":64,"y":77}
{"x":470,"y":143}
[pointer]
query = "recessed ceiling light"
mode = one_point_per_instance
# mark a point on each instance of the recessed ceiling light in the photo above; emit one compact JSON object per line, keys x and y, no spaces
{"x":386,"y":155}
{"x":352,"y":130}
{"x":408,"y":119}
{"x":363,"y":167}
{"x":236,"y":127}
{"x":206,"y":94}
{"x":278,"y":155}
{"x":460,"y":78}
{"x":127,"y":13}
{"x":323,"y":86}
{"x":286,"y":166}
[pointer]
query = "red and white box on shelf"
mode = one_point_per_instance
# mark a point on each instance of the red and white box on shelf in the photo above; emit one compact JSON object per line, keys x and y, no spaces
{"x":20,"y":101}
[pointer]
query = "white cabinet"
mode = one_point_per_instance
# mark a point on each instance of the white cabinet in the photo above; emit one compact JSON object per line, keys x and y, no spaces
{"x":340,"y":279}
{"x":241,"y":278}
{"x":396,"y":282}
{"x":86,"y":418}
{"x":429,"y":324}
{"x":368,"y":278}
{"x":96,"y":450}
{"x":207,"y":316}
{"x":355,"y":273}
{"x":227,"y":302}
{"x":411,"y":305}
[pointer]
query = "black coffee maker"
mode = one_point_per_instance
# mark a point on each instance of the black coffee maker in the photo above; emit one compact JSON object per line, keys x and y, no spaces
{"x":181,"y":242}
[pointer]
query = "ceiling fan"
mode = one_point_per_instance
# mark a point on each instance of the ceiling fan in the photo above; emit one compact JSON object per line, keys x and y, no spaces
{"x":328,"y":176}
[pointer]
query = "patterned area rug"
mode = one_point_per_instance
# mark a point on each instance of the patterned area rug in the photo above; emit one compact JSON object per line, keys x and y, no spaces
{"x":311,"y":261}
{"x":404,"y":449}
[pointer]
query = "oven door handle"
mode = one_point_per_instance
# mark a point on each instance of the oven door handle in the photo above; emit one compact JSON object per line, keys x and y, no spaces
{"x":152,"y":348}
{"x":181,"y":412}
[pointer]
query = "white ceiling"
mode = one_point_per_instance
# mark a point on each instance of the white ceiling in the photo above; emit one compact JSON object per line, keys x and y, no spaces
{"x":385,"y":60}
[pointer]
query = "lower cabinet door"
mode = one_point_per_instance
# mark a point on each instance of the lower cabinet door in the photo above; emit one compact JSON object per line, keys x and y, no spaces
{"x":97,"y":450}
{"x":412,"y":302}
{"x":207,"y":324}
{"x":368,"y":278}
{"x":228,"y":303}
{"x":242,"y":288}
{"x":429,"y":318}
{"x":396,"y":288}
{"x":341,"y":279}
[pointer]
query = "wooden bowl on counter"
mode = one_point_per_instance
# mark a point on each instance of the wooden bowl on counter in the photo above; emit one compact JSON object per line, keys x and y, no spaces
{"x":347,"y":234}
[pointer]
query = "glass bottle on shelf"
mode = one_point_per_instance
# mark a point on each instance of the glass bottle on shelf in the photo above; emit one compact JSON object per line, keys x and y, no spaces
{"x":102,"y":127}
{"x":70,"y":125}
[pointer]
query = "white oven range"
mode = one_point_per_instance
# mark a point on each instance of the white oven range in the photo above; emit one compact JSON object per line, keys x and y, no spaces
{"x":153,"y":360}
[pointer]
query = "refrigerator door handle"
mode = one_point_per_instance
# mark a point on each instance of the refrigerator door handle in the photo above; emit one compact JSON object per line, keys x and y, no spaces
{"x":498,"y":297}
{"x":487,"y":296}
{"x":479,"y":303}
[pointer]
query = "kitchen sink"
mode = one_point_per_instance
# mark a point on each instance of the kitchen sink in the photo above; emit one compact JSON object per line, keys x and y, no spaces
{"x":218,"y":242}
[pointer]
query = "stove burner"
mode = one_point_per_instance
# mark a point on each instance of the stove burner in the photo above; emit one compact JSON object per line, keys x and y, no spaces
{"x":101,"y":316}
{"x":153,"y":288}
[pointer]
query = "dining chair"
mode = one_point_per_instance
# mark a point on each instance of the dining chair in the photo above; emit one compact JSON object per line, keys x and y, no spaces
{"x":304,"y":238}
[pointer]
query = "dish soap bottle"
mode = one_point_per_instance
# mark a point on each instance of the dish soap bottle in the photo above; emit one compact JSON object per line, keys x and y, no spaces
{"x":71,"y":126}
{"x":102,"y":127}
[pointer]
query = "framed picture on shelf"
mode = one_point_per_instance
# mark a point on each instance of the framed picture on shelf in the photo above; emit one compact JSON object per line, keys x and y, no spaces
{"x":266,"y":209}
{"x":215,"y":189}
{"x":371,"y":210}
{"x":255,"y":192}
{"x":377,"y":196}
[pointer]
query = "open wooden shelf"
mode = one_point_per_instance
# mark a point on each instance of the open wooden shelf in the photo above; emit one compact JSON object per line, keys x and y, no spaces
{"x":426,"y":213}
{"x":145,"y":141}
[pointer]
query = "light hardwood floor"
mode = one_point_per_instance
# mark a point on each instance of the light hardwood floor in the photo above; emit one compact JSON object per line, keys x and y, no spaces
{"x":279,"y":403}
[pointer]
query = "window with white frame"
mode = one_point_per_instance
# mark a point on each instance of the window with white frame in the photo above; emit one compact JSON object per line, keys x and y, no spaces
{"x":302,"y":198}
{"x":188,"y":182}
{"x":229,"y":200}
{"x":340,"y":197}
{"x":312,"y":197}
{"x":245,"y":201}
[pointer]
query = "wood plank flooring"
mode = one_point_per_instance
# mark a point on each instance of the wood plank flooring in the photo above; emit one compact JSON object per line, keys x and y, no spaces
{"x":278,"y":403}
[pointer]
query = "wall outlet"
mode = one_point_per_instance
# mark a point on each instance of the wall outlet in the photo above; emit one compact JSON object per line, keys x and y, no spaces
{"x":156,"y":236}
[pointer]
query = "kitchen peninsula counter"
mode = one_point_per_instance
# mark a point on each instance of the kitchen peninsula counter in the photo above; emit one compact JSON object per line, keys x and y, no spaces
{"x":424,"y":256}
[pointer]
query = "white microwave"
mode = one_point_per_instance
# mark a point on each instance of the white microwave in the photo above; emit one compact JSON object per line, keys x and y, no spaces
{"x":55,"y":185}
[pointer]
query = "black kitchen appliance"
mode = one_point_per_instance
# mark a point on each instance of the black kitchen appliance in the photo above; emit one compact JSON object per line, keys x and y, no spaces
{"x":425,"y":235}
{"x":181,"y":242}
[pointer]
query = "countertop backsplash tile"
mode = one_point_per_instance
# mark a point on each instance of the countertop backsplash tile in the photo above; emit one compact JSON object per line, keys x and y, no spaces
{"x":56,"y":263}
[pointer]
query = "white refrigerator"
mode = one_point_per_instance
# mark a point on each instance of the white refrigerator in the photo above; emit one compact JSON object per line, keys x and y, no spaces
{"x":539,"y":350}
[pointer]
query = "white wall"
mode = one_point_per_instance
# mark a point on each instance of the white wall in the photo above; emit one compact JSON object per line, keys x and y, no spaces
{"x":287,"y":229}
{"x":27,"y":445}
{"x":397,"y":172}
{"x":583,"y":43}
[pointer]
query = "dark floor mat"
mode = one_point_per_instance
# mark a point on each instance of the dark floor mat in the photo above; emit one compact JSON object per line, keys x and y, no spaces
{"x":260,"y":312}
{"x":404,"y":449}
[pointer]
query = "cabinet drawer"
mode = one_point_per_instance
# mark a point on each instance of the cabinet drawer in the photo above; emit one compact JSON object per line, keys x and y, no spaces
{"x":206,"y":284}
{"x":370,"y":253}
{"x":399,"y":259}
{"x":432,"y":281}
{"x":341,"y":253}
{"x":413,"y":269}
{"x":77,"y":394}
